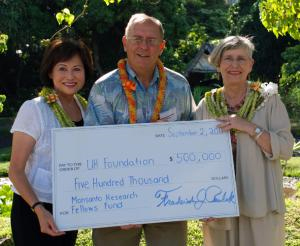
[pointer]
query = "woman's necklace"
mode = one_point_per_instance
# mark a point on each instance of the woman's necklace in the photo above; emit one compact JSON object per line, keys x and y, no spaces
{"x":217,"y":106}
{"x":234,"y":107}
{"x":129,"y":87}
{"x":51,"y":97}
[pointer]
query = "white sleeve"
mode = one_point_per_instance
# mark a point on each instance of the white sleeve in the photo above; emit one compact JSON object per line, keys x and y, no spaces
{"x":28,"y":120}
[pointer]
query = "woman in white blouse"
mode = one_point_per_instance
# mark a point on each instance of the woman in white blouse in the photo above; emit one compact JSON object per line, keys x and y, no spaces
{"x":260,"y":136}
{"x":65,"y":67}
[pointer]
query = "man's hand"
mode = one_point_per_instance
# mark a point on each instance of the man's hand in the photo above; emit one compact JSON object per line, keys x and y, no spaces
{"x":128,"y":227}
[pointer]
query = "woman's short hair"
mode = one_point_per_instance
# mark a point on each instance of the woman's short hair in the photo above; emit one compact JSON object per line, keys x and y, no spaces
{"x":140,"y":18}
{"x":63,"y":49}
{"x":230,"y":43}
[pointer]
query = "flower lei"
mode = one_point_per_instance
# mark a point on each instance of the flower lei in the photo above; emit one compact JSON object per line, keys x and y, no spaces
{"x":129,"y":87}
{"x":51,"y":98}
{"x":259,"y":93}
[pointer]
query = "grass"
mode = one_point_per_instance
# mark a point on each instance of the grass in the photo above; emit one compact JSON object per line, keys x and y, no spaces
{"x":5,"y":231}
{"x":4,"y":169}
{"x":291,"y":168}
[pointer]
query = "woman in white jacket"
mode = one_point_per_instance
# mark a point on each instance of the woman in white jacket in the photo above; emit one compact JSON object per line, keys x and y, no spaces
{"x":64,"y":69}
{"x":260,"y":136}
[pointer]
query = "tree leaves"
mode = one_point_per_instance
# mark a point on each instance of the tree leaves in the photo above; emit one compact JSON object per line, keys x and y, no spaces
{"x":281,"y":17}
{"x":3,"y":41}
{"x":2,"y":99}
{"x":65,"y":16}
{"x":108,"y":2}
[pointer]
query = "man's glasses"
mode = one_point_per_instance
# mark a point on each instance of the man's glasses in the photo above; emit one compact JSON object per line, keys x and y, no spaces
{"x":140,"y":40}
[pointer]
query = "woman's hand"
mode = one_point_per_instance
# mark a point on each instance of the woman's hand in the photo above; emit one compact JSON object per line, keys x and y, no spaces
{"x":233,"y":121}
{"x":46,"y":221}
{"x":206,"y":220}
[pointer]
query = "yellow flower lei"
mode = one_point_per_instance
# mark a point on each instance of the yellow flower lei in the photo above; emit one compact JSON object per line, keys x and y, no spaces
{"x":51,"y":99}
{"x":129,"y":87}
{"x":216,"y":104}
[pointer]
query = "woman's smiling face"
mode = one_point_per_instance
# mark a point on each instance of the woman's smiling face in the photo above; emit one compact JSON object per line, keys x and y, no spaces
{"x":235,"y":65}
{"x":68,"y":76}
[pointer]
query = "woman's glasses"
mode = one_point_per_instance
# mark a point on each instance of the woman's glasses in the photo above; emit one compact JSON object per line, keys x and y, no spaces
{"x":228,"y":60}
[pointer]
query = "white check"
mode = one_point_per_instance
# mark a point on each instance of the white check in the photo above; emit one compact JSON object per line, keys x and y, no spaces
{"x":143,"y":173}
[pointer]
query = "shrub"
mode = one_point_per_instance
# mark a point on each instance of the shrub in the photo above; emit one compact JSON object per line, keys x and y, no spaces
{"x":6,"y":195}
{"x":290,"y":80}
{"x":2,"y":99}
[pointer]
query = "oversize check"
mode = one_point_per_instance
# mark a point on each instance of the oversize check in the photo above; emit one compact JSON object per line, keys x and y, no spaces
{"x":143,"y":173}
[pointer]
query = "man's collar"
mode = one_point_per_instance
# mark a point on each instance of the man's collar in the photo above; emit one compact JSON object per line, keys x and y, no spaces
{"x":132,"y":74}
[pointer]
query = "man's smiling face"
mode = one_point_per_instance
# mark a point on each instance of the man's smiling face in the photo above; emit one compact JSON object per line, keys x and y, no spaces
{"x":143,"y":44}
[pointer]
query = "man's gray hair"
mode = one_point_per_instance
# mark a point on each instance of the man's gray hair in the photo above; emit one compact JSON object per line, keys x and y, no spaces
{"x":141,"y":18}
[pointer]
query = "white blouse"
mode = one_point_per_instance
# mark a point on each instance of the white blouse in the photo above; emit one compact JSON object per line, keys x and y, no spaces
{"x":36,"y":119}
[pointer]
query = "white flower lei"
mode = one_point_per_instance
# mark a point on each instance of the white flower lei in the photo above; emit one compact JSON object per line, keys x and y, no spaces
{"x":267,"y":90}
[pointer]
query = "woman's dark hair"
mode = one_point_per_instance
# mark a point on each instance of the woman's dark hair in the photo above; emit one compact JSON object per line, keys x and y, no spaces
{"x":62,"y":50}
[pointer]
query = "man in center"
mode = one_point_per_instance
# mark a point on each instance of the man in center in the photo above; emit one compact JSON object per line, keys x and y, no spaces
{"x":141,"y":90}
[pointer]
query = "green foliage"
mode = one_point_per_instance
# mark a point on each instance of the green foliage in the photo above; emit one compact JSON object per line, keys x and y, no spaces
{"x":245,"y":20}
{"x":2,"y":99}
{"x":195,"y":236}
{"x":203,"y":20}
{"x":108,"y":2}
{"x":240,"y":15}
{"x":199,"y":91}
{"x":187,"y":24}
{"x":25,"y":32}
{"x":188,"y":47}
{"x":292,"y":98}
{"x":290,"y":80}
{"x":291,"y":57}
{"x":45,"y":42}
{"x":210,"y":14}
{"x":65,"y":16}
{"x":6,"y":195}
{"x":3,"y":43}
{"x":84,"y":238}
{"x":281,"y":17}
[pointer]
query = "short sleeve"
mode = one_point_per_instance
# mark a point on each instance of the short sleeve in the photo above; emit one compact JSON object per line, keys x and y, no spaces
{"x":99,"y":111}
{"x":28,"y":120}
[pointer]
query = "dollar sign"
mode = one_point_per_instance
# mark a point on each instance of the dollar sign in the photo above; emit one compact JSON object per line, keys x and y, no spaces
{"x":171,"y":159}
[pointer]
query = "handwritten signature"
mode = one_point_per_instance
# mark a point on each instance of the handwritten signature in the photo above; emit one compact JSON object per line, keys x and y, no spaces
{"x":211,"y":194}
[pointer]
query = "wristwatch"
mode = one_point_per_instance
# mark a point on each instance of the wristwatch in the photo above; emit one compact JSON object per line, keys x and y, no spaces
{"x":257,"y":132}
